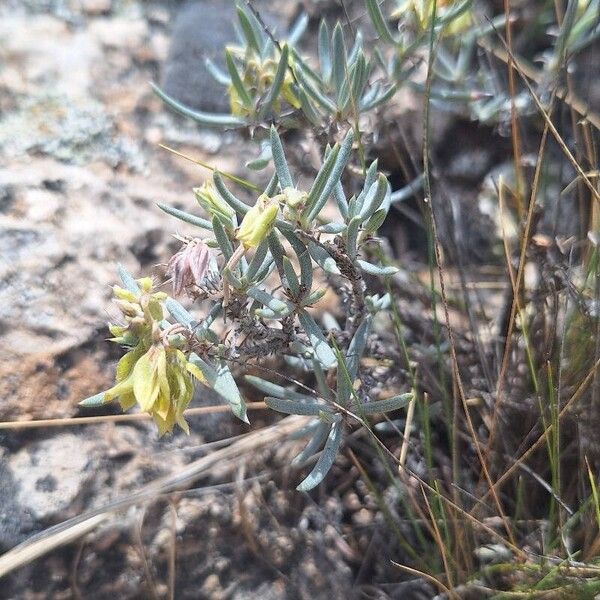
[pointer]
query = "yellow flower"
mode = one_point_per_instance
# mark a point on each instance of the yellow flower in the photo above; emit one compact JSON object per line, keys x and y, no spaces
{"x":423,"y":11}
{"x":159,"y":380}
{"x":258,"y":222}
{"x":210,"y":200}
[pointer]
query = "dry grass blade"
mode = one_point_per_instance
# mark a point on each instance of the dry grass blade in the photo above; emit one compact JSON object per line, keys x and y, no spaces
{"x":428,"y":577}
{"x":566,"y":408}
{"x":199,"y":410}
{"x":243,"y":182}
{"x":72,"y":529}
{"x":569,"y":98}
{"x":552,"y":128}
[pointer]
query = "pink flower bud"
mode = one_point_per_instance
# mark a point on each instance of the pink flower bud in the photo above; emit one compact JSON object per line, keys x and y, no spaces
{"x":189,"y":265}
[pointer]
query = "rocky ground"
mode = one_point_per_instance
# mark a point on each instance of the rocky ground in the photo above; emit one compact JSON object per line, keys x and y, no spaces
{"x":81,"y":172}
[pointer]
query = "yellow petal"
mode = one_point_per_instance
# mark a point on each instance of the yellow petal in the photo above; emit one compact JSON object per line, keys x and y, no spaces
{"x":127,"y":401}
{"x":120,"y":389}
{"x":145,"y":383}
{"x":196,"y":372}
{"x":258,"y":222}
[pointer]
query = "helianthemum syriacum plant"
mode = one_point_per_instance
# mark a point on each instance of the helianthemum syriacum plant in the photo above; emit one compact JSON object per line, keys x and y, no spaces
{"x":262,"y":269}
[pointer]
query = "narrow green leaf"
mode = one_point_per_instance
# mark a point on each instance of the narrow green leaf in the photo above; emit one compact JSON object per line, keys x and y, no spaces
{"x":313,"y":297}
{"x":323,"y":259}
{"x":332,"y":228}
{"x":317,"y":95}
{"x":408,"y":190}
{"x":267,"y":300}
{"x":357,"y":347}
{"x":222,"y":239}
{"x":297,"y":29}
{"x":217,"y":74}
{"x":357,"y":80}
{"x":305,"y":431}
{"x":356,"y":48}
{"x":322,"y":176}
{"x":237,"y":205}
{"x":324,"y":49}
{"x":129,"y":283}
{"x":374,"y":197}
{"x":301,"y":251}
{"x":236,"y":80}
{"x":377,"y":270}
{"x":291,"y":278}
{"x":187,"y":217}
{"x":378,"y":100}
{"x":341,"y":159}
{"x":307,"y":108}
{"x":277,"y":391}
{"x":326,"y":460}
{"x":344,"y":389}
{"x":93,"y":401}
{"x":352,"y":236}
{"x":314,"y":445}
{"x":247,"y":29}
{"x":376,"y":221}
{"x":179,"y":313}
{"x":232,"y":279}
{"x":317,"y":340}
{"x":277,"y":252}
{"x":258,"y":259}
{"x":267,"y":313}
{"x":293,"y":407}
{"x":262,"y":160}
{"x":387,"y":405}
{"x":321,"y":378}
{"x":340,"y":200}
{"x":272,"y":185}
{"x":203,"y":118}
{"x":277,"y":84}
{"x":370,"y":179}
{"x":339,"y":66}
{"x":379,"y":22}
{"x":281,"y":166}
{"x":221,"y":381}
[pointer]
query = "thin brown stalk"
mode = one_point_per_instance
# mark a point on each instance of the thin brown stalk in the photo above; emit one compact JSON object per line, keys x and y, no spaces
{"x":428,"y":577}
{"x":563,"y":146}
{"x":570,"y":99}
{"x":542,"y":438}
{"x":436,"y":243}
{"x":516,"y":284}
{"x":70,"y":421}
{"x":514,"y":117}
{"x":438,"y":539}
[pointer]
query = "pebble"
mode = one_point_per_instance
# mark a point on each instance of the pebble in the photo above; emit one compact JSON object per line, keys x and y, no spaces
{"x":96,"y":7}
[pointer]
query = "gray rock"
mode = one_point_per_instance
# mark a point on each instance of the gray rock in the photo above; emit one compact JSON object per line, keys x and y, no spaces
{"x":43,"y":482}
{"x":201,"y":30}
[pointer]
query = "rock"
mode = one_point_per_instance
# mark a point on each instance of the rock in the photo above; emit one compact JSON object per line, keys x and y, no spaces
{"x":45,"y":482}
{"x":201,"y":30}
{"x":60,"y":60}
{"x":120,"y":33}
{"x":96,"y":7}
{"x":51,"y":475}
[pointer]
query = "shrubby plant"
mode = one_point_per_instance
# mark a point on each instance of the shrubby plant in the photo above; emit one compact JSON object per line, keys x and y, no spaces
{"x":261,"y":269}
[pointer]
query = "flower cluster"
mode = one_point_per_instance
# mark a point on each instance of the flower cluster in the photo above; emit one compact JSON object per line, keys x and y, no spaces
{"x":262,"y":275}
{"x":154,"y":373}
